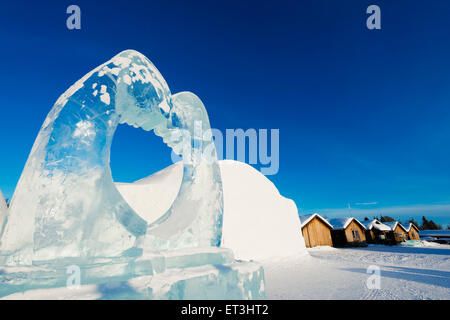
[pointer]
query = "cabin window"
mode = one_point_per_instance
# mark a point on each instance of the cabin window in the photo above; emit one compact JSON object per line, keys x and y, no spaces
{"x":355,"y":234}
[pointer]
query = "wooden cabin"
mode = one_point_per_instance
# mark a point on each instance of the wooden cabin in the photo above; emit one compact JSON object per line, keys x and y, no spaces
{"x":413,"y":232}
{"x":316,"y":230}
{"x":348,"y":232}
{"x":370,"y":233}
{"x":377,"y":232}
{"x":400,"y":233}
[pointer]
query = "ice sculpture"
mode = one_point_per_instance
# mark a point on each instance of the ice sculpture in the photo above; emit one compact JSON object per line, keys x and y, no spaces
{"x":66,"y":205}
{"x":3,"y":210}
{"x":66,"y":212}
{"x":195,"y":218}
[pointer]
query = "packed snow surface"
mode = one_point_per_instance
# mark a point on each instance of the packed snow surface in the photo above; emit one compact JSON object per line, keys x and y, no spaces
{"x":407,"y":272}
{"x":258,"y":222}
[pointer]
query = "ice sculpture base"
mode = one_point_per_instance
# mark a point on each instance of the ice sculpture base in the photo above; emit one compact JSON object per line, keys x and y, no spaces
{"x":204,"y":273}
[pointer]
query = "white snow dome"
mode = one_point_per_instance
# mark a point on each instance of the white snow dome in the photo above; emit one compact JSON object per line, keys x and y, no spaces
{"x":258,"y":222}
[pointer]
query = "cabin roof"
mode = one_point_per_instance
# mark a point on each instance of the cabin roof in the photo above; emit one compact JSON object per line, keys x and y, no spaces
{"x":307,"y":218}
{"x":394,"y":224}
{"x":408,"y":229}
{"x":342,"y":223}
{"x":376,"y":224}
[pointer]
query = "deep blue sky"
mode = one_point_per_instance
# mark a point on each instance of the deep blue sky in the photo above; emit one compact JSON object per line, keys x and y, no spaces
{"x":363,"y":115}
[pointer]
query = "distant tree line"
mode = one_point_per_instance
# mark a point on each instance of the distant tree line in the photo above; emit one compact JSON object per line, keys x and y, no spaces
{"x":426,"y":224}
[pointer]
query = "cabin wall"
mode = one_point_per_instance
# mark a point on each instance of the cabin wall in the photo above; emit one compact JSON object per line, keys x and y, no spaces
{"x":339,"y":238}
{"x":370,"y":236}
{"x":400,"y":234}
{"x":316,"y":233}
{"x":413,"y":234}
{"x":355,"y":229}
{"x":384,"y":237}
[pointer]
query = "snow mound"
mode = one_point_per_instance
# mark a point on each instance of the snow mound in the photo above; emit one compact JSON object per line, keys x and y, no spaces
{"x":151,"y":197}
{"x":258,"y":223}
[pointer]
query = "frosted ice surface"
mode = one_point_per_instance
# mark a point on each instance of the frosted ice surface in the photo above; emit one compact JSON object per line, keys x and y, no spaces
{"x":196,"y":273}
{"x":195,"y":217}
{"x":3,"y":210}
{"x":66,"y":209}
{"x":66,"y":205}
{"x":225,"y":281}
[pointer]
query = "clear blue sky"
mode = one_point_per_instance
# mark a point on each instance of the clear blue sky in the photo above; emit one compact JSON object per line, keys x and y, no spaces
{"x":363,"y":115}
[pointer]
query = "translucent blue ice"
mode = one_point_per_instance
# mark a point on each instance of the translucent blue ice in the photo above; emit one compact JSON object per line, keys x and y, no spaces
{"x":66,"y":205}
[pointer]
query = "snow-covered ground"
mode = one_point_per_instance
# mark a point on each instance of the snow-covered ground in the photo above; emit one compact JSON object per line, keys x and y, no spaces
{"x":420,"y":272}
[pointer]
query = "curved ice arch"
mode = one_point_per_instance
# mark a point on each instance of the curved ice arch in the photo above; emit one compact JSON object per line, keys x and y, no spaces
{"x":195,"y":217}
{"x":66,"y":205}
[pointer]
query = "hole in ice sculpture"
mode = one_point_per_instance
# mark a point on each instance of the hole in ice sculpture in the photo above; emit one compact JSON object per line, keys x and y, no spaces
{"x":149,"y":194}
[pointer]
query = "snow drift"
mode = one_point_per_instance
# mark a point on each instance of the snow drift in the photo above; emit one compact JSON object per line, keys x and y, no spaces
{"x":258,"y":223}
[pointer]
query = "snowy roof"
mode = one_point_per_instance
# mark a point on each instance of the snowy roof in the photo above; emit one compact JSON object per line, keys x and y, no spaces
{"x":409,"y":227}
{"x":392,"y":225}
{"x":377,"y":225}
{"x":342,"y":223}
{"x":305,"y":219}
{"x":367,"y":224}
